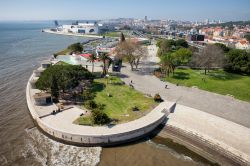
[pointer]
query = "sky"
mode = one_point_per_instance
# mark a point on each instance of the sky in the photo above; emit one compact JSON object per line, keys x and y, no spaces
{"x":190,"y":10}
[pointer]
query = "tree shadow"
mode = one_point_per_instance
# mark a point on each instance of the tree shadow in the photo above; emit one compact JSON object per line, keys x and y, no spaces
{"x":97,"y":87}
{"x":181,"y":75}
{"x":146,"y":68}
{"x":223,"y":76}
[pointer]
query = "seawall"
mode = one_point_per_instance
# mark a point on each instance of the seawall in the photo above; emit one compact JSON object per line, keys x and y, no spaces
{"x":101,"y":135}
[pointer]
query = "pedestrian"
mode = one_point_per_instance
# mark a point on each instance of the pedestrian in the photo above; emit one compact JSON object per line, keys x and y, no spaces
{"x":131,"y":82}
{"x":166,"y":86}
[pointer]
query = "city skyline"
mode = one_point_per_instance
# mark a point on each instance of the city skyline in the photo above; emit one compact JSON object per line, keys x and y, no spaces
{"x":76,"y":10}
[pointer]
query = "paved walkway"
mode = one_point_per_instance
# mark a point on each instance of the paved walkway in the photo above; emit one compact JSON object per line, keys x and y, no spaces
{"x":226,"y":134}
{"x":223,"y":106}
{"x":220,"y":119}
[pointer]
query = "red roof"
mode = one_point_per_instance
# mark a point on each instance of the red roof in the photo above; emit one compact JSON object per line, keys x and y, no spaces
{"x":85,"y":55}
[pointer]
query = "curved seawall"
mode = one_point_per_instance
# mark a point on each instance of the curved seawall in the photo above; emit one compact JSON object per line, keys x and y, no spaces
{"x":101,"y":135}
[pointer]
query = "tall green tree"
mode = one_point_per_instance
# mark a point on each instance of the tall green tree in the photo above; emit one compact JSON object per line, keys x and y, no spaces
{"x":67,"y":76}
{"x":76,"y":47}
{"x":166,"y":46}
{"x":247,"y":36}
{"x":92,"y":59}
{"x":54,"y":89}
{"x":238,"y":61}
{"x":122,"y":37}
{"x":182,"y":56}
{"x":107,"y":61}
{"x":181,"y":43}
{"x":223,"y":47}
{"x":167,"y":65}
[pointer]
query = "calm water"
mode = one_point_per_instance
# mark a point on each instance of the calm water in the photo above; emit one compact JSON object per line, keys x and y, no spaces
{"x":22,"y":47}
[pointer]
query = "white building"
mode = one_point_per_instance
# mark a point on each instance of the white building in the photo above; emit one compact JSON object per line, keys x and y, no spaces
{"x":244,"y":45}
{"x":81,"y":28}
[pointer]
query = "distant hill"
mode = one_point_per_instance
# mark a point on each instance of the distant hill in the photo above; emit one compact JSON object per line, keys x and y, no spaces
{"x":228,"y":24}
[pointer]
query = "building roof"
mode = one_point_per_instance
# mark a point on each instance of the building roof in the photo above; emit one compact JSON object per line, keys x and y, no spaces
{"x":86,"y":55}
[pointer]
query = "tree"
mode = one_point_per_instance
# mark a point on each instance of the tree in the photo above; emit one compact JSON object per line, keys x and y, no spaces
{"x":165,"y":47}
{"x":181,"y":43}
{"x":211,"y":56}
{"x":122,"y":37}
{"x":92,"y":59}
{"x":66,"y":76}
{"x":76,"y":47}
{"x":132,"y":52}
{"x":247,"y":36}
{"x":167,"y":65}
{"x":99,"y":117}
{"x":238,"y":61}
{"x":125,"y":50}
{"x":182,"y":56}
{"x":106,"y":62}
{"x":223,"y":47}
{"x":54,"y":89}
{"x":140,"y":53}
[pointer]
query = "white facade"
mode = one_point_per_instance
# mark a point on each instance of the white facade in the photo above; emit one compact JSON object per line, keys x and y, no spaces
{"x":242,"y":45}
{"x":81,"y":28}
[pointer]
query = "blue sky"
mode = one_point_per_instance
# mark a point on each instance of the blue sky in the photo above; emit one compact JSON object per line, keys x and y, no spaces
{"x":103,"y":9}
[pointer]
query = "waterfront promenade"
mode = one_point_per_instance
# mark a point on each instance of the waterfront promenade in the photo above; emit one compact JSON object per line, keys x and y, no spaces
{"x":219,"y":119}
{"x":231,"y":138}
{"x":61,"y":125}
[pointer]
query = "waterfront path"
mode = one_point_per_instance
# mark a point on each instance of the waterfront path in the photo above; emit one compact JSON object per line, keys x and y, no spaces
{"x":222,"y":120}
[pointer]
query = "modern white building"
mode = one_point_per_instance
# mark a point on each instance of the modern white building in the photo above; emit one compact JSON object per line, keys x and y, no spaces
{"x":81,"y":28}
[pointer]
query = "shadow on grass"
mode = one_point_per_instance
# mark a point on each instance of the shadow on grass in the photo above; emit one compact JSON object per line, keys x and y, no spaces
{"x":97,"y":87}
{"x":181,"y":75}
{"x":223,"y":76}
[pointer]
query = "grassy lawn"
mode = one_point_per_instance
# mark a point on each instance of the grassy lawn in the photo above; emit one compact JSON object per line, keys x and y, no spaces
{"x":83,"y":121}
{"x":118,"y":106}
{"x":63,"y":52}
{"x":215,"y":81}
{"x":112,"y":34}
{"x":115,"y":34}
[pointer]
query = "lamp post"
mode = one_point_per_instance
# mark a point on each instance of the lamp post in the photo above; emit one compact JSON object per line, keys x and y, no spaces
{"x":107,"y":76}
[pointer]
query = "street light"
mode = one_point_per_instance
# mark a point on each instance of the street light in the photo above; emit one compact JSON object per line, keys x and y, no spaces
{"x":107,"y":76}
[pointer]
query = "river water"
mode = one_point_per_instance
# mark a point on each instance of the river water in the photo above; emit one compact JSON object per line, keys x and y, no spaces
{"x":22,"y":47}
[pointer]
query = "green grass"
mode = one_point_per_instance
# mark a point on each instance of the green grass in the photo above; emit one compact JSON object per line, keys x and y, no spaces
{"x":123,"y":99}
{"x":62,"y":63}
{"x":115,"y":34}
{"x":84,"y":120}
{"x":63,"y":52}
{"x":112,"y":34}
{"x":217,"y":81}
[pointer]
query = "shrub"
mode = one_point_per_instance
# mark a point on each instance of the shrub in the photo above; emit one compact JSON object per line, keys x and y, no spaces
{"x":99,"y":117}
{"x":77,"y":47}
{"x":157,"y":98}
{"x":87,"y":95}
{"x":90,"y":104}
{"x":135,"y":108}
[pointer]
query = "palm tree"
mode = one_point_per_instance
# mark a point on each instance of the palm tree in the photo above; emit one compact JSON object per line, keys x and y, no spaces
{"x":106,"y":62}
{"x":167,"y":64}
{"x":92,"y":59}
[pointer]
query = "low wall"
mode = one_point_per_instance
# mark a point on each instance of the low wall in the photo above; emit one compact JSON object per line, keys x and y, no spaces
{"x":94,"y":139}
{"x":215,"y":151}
